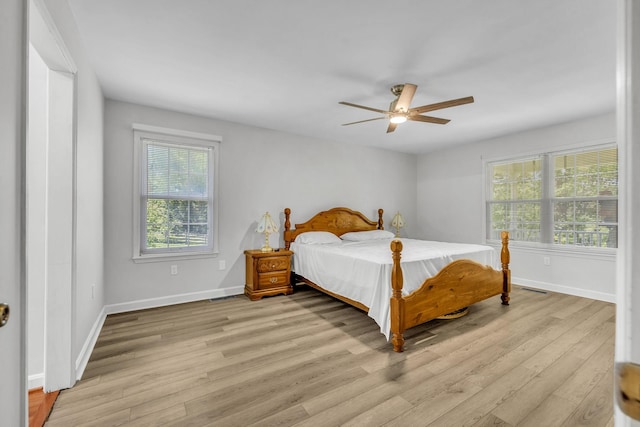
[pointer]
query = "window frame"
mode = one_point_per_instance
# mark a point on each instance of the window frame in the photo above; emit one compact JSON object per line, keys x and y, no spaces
{"x":175,"y":137}
{"x":548,"y":198}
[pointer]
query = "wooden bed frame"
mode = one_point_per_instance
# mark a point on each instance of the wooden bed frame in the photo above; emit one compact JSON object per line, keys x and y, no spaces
{"x":458,"y":285}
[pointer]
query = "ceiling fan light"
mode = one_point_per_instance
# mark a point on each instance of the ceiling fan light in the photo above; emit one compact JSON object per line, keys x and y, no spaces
{"x":398,"y":119}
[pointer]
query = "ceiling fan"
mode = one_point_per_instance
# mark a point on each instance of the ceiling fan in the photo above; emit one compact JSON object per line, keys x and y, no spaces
{"x":399,"y":111}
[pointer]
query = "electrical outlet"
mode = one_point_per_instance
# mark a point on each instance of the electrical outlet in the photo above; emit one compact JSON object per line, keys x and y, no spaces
{"x":546,"y":260}
{"x":222,"y":264}
{"x":174,"y":270}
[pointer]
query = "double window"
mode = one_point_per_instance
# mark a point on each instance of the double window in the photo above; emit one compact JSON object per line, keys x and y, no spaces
{"x":564,"y":198}
{"x":175,"y":205}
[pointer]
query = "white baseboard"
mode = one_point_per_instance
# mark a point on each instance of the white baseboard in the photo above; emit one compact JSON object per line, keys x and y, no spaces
{"x":600,"y":296}
{"x":90,"y":342}
{"x":173,"y":299}
{"x":36,"y":381}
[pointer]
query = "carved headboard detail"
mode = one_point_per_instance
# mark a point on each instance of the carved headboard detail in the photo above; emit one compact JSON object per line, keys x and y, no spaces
{"x":337,"y":221}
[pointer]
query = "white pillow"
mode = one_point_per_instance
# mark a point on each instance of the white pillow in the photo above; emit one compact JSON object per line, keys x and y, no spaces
{"x":317,"y":238}
{"x":361,"y":236}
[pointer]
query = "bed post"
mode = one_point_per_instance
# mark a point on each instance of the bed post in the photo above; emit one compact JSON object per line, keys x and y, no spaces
{"x":397,"y":302}
{"x":505,"y":258}
{"x":380,"y":221}
{"x":287,"y":227}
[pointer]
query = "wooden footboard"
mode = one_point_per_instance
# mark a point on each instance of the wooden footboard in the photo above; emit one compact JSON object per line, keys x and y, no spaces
{"x":458,"y":285}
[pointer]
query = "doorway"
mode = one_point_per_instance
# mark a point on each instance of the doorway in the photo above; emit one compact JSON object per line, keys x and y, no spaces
{"x":50,"y":206}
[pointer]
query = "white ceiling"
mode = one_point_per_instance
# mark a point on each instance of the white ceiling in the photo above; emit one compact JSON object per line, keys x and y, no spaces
{"x":285,"y":64}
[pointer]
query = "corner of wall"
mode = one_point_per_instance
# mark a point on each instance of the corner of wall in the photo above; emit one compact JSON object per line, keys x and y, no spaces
{"x":89,"y":344}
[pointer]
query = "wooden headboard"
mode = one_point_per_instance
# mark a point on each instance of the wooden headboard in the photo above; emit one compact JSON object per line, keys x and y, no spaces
{"x":337,"y":221}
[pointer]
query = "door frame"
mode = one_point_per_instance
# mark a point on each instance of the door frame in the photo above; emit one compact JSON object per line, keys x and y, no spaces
{"x":628,"y":132}
{"x":60,"y":215}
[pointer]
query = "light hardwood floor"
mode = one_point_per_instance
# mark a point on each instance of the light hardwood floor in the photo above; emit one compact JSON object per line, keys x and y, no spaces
{"x":309,"y":360}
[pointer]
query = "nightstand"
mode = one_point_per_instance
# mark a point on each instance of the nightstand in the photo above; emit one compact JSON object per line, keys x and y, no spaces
{"x":267,"y":273}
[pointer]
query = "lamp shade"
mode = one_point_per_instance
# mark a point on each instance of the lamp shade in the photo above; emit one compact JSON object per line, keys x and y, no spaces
{"x":397,"y":221}
{"x":266,"y":224}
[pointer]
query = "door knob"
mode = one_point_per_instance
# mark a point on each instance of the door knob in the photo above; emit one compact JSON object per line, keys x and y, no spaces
{"x":628,"y":382}
{"x":4,"y":314}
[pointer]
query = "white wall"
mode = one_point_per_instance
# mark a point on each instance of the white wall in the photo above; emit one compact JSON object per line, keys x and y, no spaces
{"x":260,"y":170}
{"x":450,"y":205}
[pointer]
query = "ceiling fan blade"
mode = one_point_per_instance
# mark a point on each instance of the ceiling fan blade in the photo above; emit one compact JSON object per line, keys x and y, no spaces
{"x":363,"y":107}
{"x":363,"y":121}
{"x":404,"y":100}
{"x":440,"y":105}
{"x":392,"y":127}
{"x":428,"y":119}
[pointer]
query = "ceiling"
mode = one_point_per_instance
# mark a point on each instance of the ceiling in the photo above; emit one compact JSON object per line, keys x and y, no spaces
{"x":285,"y":64}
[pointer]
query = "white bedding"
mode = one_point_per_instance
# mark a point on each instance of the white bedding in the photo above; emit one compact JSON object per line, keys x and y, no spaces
{"x":361,"y":271}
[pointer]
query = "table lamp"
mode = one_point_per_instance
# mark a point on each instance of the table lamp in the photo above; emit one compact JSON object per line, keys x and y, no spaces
{"x":266,"y":226}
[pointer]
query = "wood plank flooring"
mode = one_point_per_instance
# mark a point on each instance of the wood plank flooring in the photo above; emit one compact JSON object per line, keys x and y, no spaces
{"x":40,"y":404}
{"x":309,"y":360}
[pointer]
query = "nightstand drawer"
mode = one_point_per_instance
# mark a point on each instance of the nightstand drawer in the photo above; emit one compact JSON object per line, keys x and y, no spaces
{"x":273,"y":264}
{"x":271,"y":280}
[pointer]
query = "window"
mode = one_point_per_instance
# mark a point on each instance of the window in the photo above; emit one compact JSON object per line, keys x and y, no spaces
{"x":516,"y":199}
{"x":562,"y":198}
{"x":585,"y":202}
{"x":175,"y":207}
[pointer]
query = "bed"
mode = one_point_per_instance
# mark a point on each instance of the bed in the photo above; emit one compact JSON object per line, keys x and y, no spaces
{"x":352,"y":258}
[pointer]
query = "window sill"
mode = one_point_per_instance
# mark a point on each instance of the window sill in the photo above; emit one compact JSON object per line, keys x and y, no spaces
{"x":542,"y":248}
{"x":141,"y":259}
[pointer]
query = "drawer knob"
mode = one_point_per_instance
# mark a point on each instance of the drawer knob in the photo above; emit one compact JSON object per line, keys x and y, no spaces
{"x":274,"y":280}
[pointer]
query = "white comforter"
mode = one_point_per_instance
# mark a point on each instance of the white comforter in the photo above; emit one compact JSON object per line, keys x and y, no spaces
{"x":361,"y":271}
